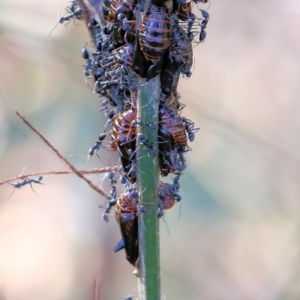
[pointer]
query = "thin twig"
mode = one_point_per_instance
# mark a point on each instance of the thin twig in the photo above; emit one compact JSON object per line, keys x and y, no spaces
{"x":92,"y":171}
{"x":2,"y":292}
{"x":77,"y":172}
{"x":96,"y":288}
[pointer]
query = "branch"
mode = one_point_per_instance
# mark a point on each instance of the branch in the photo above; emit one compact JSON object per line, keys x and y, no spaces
{"x":92,"y":171}
{"x":77,"y":172}
{"x":148,"y":174}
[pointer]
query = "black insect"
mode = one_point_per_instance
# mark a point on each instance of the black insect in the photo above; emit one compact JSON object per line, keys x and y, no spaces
{"x":154,"y":38}
{"x":125,"y":7}
{"x":123,"y":180}
{"x":28,"y":181}
{"x":108,"y":83}
{"x":97,"y":145}
{"x":131,"y":169}
{"x":171,"y":101}
{"x":113,"y":182}
{"x":123,"y":137}
{"x":144,"y":141}
{"x":176,"y":184}
{"x":166,"y":151}
{"x":202,"y":34}
{"x":75,"y":13}
{"x":189,"y":127}
{"x":180,"y":163}
{"x":111,"y":75}
{"x":119,"y":12}
{"x":181,"y":50}
{"x":169,"y":77}
{"x":115,"y":73}
{"x":99,"y":7}
{"x":105,"y":8}
{"x":182,"y":10}
{"x":124,"y":55}
{"x":96,"y":33}
{"x":85,"y":53}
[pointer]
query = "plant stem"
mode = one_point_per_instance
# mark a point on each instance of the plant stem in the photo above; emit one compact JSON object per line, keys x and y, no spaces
{"x":148,"y":174}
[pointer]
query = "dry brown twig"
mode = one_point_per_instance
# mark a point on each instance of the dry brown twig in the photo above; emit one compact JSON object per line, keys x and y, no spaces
{"x":96,"y":288}
{"x":65,"y":172}
{"x":74,"y":170}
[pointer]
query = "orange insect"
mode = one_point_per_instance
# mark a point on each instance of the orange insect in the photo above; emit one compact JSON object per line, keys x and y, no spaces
{"x":166,"y":195}
{"x":172,"y":122}
{"x":123,"y":138}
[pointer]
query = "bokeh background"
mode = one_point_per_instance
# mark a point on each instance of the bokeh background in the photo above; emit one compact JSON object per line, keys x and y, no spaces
{"x":235,"y":235}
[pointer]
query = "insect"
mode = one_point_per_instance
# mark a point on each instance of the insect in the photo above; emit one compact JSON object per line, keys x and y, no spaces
{"x":115,"y":73}
{"x":111,"y":71}
{"x":68,"y":17}
{"x":118,"y":12}
{"x":74,"y":12}
{"x":113,"y":182}
{"x":171,"y":159}
{"x":99,"y":8}
{"x":123,"y":180}
{"x":28,"y":181}
{"x":123,"y":137}
{"x":108,"y":83}
{"x":171,"y":101}
{"x":172,"y":122}
{"x":182,"y":10}
{"x":166,"y":151}
{"x":97,"y":145}
{"x":169,"y":77}
{"x":131,"y":169}
{"x":96,"y":33}
{"x":180,"y":163}
{"x":154,"y":38}
{"x":85,"y":53}
{"x":202,"y":34}
{"x":142,"y":139}
{"x":106,"y":8}
{"x":155,"y":33}
{"x":166,"y":196}
{"x":181,"y":50}
{"x":126,"y":209}
{"x":126,"y":214}
{"x":125,"y":7}
{"x":189,"y":128}
{"x":124,"y":55}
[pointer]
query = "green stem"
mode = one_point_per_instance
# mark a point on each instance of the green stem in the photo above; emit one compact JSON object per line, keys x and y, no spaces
{"x":148,"y":176}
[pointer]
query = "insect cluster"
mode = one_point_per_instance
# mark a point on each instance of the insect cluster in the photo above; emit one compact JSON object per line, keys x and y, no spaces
{"x":131,"y":40}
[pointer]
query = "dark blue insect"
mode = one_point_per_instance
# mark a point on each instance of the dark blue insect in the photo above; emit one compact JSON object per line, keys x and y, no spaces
{"x":28,"y":181}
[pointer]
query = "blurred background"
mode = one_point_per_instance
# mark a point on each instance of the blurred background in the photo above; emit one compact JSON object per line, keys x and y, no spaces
{"x":236,"y":233}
